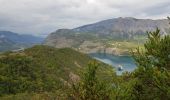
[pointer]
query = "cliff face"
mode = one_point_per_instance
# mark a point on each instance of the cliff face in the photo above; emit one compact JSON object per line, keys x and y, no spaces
{"x":93,"y":37}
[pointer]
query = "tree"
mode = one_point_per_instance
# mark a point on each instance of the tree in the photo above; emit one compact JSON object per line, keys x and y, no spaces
{"x":152,"y":75}
{"x":90,"y":86}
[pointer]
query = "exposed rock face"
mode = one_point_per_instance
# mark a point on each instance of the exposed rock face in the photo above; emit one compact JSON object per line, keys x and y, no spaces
{"x":88,"y":38}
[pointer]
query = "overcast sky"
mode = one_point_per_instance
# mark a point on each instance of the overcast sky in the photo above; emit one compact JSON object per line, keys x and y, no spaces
{"x":39,"y":17}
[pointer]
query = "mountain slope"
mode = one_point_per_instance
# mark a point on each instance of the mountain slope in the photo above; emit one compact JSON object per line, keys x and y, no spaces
{"x":107,"y":35}
{"x":127,"y":25}
{"x":43,"y":69}
{"x":10,"y":40}
{"x":6,"y":44}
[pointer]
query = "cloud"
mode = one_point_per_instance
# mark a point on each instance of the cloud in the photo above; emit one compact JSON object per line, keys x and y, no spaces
{"x":44,"y":16}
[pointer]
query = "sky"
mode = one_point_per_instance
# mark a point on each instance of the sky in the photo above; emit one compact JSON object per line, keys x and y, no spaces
{"x":41,"y":17}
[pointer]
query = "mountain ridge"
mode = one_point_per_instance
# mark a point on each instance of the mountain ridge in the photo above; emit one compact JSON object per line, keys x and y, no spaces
{"x":117,"y":29}
{"x":127,"y":21}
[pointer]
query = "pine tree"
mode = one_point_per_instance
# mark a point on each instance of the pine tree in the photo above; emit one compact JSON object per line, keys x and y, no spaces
{"x":90,"y":87}
{"x":152,"y":75}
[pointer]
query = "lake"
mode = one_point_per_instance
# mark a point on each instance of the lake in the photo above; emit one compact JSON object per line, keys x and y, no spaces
{"x":127,"y":62}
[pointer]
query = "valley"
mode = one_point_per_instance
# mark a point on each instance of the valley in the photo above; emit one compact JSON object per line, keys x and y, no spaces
{"x":98,"y":61}
{"x":13,"y":41}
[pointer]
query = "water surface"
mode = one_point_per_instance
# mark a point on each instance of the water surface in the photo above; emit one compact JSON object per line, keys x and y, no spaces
{"x":126,"y":62}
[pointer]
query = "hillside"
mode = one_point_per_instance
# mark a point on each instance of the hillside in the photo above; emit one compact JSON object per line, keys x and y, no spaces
{"x":44,"y":72}
{"x":43,"y":69}
{"x":11,"y":41}
{"x":111,"y":36}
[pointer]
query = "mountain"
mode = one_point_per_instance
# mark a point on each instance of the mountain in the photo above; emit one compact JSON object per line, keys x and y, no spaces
{"x":43,"y":69}
{"x":107,"y":35}
{"x":10,"y":40}
{"x":122,"y":26}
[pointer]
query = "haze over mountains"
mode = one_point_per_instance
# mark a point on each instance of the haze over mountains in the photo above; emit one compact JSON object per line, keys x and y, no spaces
{"x":11,"y":41}
{"x":98,"y":34}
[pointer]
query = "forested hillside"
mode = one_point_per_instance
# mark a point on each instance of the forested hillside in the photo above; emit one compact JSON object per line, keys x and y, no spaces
{"x":44,"y":72}
{"x":43,"y":69}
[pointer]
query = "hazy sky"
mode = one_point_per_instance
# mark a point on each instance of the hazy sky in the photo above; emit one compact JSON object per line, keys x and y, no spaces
{"x":40,"y":17}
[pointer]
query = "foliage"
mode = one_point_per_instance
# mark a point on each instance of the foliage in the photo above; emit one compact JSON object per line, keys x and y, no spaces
{"x":35,"y":96}
{"x":21,"y":74}
{"x":90,"y":86}
{"x":42,"y":69}
{"x":157,"y":51}
{"x":151,"y":79}
{"x":152,"y":76}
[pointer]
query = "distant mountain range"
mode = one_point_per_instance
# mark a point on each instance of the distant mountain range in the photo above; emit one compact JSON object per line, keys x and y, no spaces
{"x":117,"y":29}
{"x":11,"y":41}
{"x":89,"y":38}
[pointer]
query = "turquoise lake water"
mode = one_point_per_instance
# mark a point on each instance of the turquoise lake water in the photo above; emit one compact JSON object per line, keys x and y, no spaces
{"x":126,"y":62}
